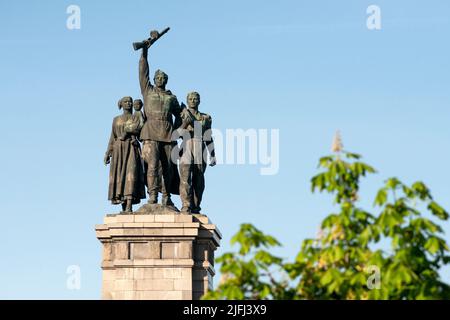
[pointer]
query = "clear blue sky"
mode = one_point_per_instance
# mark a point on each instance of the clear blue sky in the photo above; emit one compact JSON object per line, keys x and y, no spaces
{"x":306,"y":68}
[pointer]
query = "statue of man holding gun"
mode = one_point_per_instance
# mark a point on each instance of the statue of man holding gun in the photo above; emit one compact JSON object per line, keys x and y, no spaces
{"x":162,"y":116}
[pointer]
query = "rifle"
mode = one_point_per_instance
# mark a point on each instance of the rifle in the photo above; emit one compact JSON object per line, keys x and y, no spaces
{"x":154,"y":36}
{"x":190,"y":115}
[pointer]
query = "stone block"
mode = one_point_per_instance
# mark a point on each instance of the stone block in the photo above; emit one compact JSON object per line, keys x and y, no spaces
{"x":186,"y":273}
{"x":199,"y":286}
{"x":131,"y":232}
{"x":124,"y":273}
{"x":108,"y":274}
{"x":153,"y":224}
{"x":145,"y":250}
{"x":200,"y":274}
{"x":201,"y":252}
{"x":191,"y":225}
{"x":116,"y":232}
{"x":183,"y":262}
{"x":164,"y":218}
{"x":143,"y":273}
{"x":120,"y":250}
{"x":185,"y":250}
{"x":107,"y":251}
{"x":169,"y":250}
{"x":159,"y":295}
{"x":107,"y":288}
{"x":173,"y":225}
{"x":186,"y":218}
{"x":173,"y":232}
{"x":138,"y":273}
{"x":123,"y":263}
{"x":155,"y":285}
{"x":158,"y":273}
{"x":163,"y":284}
{"x":102,"y":234}
{"x":172,"y":273}
{"x":108,"y":220}
{"x":107,"y":264}
{"x":182,"y":284}
{"x":201,"y":218}
{"x":186,"y":295}
{"x":124,"y":218}
{"x":153,"y":232}
{"x":114,"y":225}
{"x":124,"y":285}
{"x":133,"y":225}
{"x":144,"y":218}
{"x":190,"y":232}
{"x":124,"y":295}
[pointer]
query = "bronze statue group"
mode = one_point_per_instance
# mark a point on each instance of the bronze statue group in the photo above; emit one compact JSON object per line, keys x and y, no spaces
{"x":161,"y":165}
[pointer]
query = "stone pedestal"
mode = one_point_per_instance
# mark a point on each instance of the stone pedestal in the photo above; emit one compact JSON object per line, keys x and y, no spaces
{"x":157,"y":256}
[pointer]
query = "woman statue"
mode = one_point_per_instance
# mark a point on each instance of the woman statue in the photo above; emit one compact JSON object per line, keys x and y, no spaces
{"x":126,"y":176}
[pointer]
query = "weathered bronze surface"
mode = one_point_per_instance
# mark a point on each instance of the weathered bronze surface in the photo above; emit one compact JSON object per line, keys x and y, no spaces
{"x":153,"y":124}
{"x":126,"y":183}
{"x":196,"y":140}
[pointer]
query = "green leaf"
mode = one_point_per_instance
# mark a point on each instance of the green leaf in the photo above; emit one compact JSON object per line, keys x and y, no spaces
{"x":338,"y":253}
{"x":421,"y":190}
{"x":358,"y":278}
{"x":325,"y":161}
{"x":265,"y":292}
{"x":432,"y":245}
{"x":365,"y":235}
{"x":350,"y":155}
{"x":381,"y":197}
{"x":266,"y":258}
{"x":437,"y":210}
{"x":327,"y":278}
{"x":392,"y":183}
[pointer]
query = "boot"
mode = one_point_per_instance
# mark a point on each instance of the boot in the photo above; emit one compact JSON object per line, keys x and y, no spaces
{"x":152,"y":198}
{"x":152,"y":190}
{"x":128,"y":207}
{"x":196,"y":210}
{"x":185,"y":210}
{"x":166,"y":200}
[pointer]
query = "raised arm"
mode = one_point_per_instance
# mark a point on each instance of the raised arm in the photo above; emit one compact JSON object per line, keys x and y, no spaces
{"x":144,"y":79}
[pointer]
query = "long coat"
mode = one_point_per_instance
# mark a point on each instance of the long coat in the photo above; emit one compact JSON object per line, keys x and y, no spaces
{"x":126,"y":175}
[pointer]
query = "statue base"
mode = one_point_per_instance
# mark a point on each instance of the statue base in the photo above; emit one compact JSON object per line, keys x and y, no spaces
{"x":167,"y":256}
{"x":156,"y":208}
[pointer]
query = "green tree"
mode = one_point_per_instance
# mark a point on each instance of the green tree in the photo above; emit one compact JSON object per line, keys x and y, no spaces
{"x":251,"y":272}
{"x":346,"y":260}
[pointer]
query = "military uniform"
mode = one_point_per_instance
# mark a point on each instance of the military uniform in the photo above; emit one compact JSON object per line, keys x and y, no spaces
{"x":160,"y":107}
{"x":193,"y":157}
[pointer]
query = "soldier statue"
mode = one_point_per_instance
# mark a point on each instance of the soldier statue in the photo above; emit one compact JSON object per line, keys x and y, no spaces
{"x":196,"y":140}
{"x":162,"y":116}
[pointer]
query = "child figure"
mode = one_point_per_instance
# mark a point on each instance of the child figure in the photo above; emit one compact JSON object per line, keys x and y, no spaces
{"x":138,"y":115}
{"x":134,"y":125}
